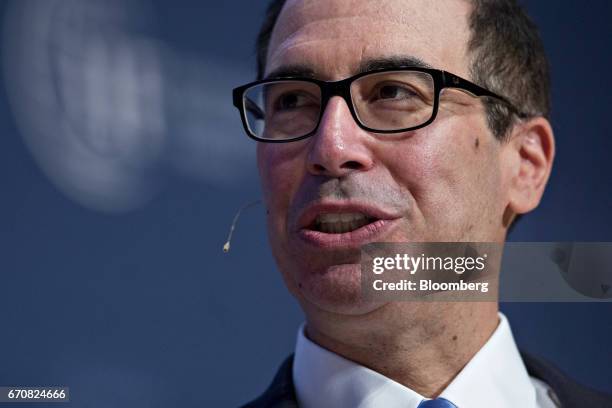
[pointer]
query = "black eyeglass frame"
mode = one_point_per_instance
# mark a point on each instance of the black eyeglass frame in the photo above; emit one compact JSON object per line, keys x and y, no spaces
{"x":442,"y":79}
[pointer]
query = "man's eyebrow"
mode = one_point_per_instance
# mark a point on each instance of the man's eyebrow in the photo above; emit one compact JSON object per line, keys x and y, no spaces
{"x":392,"y":62}
{"x":305,"y":71}
{"x":292,"y":71}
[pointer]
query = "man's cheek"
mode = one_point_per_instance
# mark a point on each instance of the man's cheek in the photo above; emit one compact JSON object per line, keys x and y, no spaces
{"x":278,"y":166}
{"x":421,"y":168}
{"x":267,"y":162}
{"x":279,"y":178}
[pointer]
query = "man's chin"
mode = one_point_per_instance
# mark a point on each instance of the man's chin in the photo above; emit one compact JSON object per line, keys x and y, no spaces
{"x":336,"y":289}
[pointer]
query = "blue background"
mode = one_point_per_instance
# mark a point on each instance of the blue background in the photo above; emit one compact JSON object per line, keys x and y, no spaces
{"x":142,"y":308}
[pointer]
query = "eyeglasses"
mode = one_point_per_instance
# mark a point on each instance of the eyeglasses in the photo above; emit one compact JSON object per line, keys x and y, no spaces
{"x":381,"y":101}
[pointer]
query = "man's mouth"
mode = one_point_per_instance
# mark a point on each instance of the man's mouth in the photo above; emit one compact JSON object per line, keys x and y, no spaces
{"x":340,"y":223}
{"x":344,"y":224}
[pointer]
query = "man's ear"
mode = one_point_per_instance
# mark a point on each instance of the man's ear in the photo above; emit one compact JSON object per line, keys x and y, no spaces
{"x":532,"y":147}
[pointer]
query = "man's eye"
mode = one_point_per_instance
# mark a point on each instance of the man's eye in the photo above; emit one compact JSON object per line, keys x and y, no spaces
{"x":394,"y":92}
{"x":292,"y":100}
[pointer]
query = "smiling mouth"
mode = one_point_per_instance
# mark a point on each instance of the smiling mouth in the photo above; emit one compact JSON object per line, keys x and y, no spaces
{"x":340,"y":223}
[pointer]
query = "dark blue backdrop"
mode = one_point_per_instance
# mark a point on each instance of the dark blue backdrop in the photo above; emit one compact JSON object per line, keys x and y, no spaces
{"x":142,"y":309}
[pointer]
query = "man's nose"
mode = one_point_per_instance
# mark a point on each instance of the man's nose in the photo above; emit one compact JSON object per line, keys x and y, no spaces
{"x":337,"y":148}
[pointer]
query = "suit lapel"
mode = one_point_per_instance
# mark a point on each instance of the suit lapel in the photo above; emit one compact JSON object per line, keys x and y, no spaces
{"x":566,"y":392}
{"x":281,"y":393}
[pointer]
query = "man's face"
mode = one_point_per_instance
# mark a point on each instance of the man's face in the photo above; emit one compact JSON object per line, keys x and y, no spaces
{"x":444,"y":182}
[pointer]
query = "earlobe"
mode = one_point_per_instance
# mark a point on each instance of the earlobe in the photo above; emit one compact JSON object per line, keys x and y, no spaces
{"x":534,"y":144}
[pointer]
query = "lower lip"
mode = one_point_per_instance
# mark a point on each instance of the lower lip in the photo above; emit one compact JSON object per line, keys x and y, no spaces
{"x":353,"y":239}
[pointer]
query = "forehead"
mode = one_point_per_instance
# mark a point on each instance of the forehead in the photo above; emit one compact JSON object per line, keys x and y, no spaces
{"x":335,"y":37}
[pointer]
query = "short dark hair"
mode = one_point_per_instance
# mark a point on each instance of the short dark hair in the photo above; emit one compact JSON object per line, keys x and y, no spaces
{"x":506,"y":52}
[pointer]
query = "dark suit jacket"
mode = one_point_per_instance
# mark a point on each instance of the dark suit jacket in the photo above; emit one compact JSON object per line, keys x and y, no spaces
{"x":567,"y":393}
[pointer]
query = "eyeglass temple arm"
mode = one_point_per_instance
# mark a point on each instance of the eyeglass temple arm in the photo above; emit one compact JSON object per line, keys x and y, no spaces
{"x":454,"y":81}
{"x":252,"y":107}
{"x":249,"y":105}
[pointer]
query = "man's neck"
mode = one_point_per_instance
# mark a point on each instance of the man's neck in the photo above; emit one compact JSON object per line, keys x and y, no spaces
{"x":420,"y":345}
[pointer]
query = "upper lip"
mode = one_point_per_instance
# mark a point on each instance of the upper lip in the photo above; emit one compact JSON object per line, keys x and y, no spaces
{"x":312,"y":211}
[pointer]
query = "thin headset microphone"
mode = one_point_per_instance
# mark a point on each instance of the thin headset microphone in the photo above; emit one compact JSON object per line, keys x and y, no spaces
{"x":226,"y":246}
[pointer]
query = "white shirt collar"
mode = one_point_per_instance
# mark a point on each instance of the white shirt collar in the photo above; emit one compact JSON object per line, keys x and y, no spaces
{"x":494,"y":377}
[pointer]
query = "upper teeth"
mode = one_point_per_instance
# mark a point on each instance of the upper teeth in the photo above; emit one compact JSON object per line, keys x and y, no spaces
{"x":339,"y":223}
{"x":340,"y":217}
